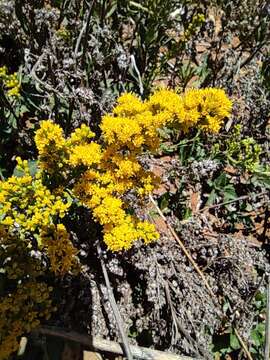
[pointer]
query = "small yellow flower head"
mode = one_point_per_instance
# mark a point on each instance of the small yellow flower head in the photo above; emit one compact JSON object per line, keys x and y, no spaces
{"x":206,"y":109}
{"x":147,"y":232}
{"x":61,"y":252}
{"x":147,"y":183}
{"x":11,"y":82}
{"x":120,"y":131}
{"x":3,"y":72}
{"x":51,"y":145}
{"x":14,"y":91}
{"x":167,"y":105}
{"x":109,"y":211}
{"x":197,"y":21}
{"x":86,"y":155}
{"x":121,"y":236}
{"x":50,"y":135}
{"x":80,"y":136}
{"x":129,"y":105}
{"x":125,"y":167}
{"x":27,"y":204}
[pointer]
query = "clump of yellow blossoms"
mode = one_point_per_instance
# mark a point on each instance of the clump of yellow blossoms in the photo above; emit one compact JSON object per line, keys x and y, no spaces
{"x":27,"y":204}
{"x":197,"y":108}
{"x":10,"y":81}
{"x":206,"y":109}
{"x":106,"y":172}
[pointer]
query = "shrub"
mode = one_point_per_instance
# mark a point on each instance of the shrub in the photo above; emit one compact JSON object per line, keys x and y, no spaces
{"x":97,"y":175}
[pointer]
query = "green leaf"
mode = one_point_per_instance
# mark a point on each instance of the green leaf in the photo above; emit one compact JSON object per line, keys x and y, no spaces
{"x":33,"y":168}
{"x":18,"y":172}
{"x":164,"y":201}
{"x":221,"y":181}
{"x":140,"y":7}
{"x":234,"y":343}
{"x":255,"y":337}
{"x":229,"y":193}
{"x":211,"y":198}
{"x":187,"y":213}
{"x":111,"y":11}
{"x":261,"y":328}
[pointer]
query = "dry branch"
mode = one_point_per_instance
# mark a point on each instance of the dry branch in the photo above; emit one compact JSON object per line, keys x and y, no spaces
{"x":115,"y":309}
{"x":101,"y":345}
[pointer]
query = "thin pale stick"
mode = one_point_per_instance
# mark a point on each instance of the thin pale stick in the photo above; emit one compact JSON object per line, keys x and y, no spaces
{"x":101,"y":345}
{"x":115,"y":309}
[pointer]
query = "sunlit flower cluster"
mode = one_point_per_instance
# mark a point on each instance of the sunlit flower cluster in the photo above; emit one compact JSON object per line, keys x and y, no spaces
{"x":197,"y":108}
{"x":206,"y":109}
{"x":105,"y":172}
{"x":243,"y":152}
{"x":10,"y":82}
{"x":50,"y":143}
{"x":28,"y":211}
{"x":26,"y":204}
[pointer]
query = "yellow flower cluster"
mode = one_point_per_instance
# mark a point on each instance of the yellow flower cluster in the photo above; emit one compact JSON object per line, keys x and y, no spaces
{"x":100,"y":191}
{"x":50,"y":143}
{"x":26,"y":204}
{"x":20,"y":313}
{"x":105,"y":173}
{"x":121,"y":230}
{"x":202,"y":108}
{"x":10,"y":82}
{"x":59,"y":248}
{"x":86,"y":155}
{"x":28,"y":211}
{"x":206,"y":109}
{"x":97,"y":175}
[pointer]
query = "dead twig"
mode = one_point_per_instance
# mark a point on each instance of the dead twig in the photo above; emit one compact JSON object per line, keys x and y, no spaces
{"x":100,"y":345}
{"x":47,"y":87}
{"x":87,"y":28}
{"x":115,"y":309}
{"x":244,"y":197}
